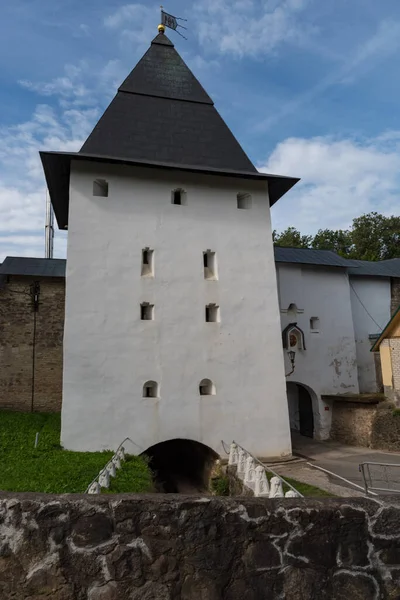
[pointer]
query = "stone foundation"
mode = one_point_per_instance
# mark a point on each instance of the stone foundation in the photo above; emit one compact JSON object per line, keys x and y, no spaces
{"x":197,"y":548}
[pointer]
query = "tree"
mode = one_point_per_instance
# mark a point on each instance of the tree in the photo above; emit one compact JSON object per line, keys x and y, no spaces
{"x":376,"y":237}
{"x":339,"y":241}
{"x":371,"y":237}
{"x":291,"y":238}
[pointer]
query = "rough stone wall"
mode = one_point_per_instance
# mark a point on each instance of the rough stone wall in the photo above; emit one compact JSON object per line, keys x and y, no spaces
{"x":395,"y":294}
{"x":352,"y":423}
{"x":385,"y":433}
{"x":173,"y":547}
{"x":17,"y":343}
{"x":395,"y":351}
{"x":372,"y":426}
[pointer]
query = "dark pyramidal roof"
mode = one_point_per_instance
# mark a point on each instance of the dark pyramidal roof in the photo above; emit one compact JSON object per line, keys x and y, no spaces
{"x":160,"y":117}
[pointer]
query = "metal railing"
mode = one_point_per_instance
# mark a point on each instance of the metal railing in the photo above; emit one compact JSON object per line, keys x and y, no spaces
{"x":380,"y":477}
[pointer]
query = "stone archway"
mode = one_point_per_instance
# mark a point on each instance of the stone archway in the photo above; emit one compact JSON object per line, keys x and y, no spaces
{"x":301,"y":410}
{"x":181,"y":466}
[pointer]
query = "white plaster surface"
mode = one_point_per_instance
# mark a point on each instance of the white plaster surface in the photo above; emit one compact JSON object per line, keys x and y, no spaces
{"x":328,"y":365}
{"x":374,"y":294}
{"x":109,"y":352}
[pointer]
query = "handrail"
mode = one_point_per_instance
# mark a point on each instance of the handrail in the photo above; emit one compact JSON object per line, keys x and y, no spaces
{"x":267,"y":469}
{"x":112,"y":459}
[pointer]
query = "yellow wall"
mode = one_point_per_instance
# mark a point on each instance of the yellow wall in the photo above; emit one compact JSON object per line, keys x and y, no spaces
{"x":386,"y":362}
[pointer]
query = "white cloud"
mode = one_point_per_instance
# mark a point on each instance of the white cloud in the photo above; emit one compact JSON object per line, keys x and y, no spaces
{"x":134,"y":22}
{"x":250,"y":27}
{"x":340,"y":180}
{"x":62,"y":125}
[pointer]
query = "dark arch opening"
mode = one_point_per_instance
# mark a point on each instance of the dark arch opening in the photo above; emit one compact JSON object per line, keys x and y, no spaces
{"x":301,"y":411}
{"x":181,"y":466}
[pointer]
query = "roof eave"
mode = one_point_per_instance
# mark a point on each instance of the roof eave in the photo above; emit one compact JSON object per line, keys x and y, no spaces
{"x":386,"y":330}
{"x":57,"y":169}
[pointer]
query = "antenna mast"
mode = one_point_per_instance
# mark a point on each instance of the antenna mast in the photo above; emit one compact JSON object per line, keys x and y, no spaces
{"x":49,"y":228}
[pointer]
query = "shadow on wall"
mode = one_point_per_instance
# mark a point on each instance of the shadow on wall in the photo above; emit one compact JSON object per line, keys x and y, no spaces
{"x":181,"y":466}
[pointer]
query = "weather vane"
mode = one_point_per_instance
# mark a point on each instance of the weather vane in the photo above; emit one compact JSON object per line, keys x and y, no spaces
{"x":171,"y":22}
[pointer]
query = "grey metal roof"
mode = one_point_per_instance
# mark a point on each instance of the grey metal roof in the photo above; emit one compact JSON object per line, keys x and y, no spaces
{"x":381,"y":268}
{"x":33,"y":267}
{"x":160,"y":117}
{"x":308,"y":256}
{"x":55,"y":267}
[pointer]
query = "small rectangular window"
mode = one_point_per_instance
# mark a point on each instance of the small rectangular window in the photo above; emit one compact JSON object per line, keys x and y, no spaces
{"x":147,"y":311}
{"x":244,"y":201}
{"x":212,"y":313}
{"x":210,"y":265}
{"x":147,"y":262}
{"x":100,"y":188}
{"x":314,"y":324}
{"x":178,"y":197}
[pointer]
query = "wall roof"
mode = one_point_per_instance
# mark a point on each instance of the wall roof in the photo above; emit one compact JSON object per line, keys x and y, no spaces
{"x":307,"y":256}
{"x":55,"y":267}
{"x":33,"y":267}
{"x":381,"y":268}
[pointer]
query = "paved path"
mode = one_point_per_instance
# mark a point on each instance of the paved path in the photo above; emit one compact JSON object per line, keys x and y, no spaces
{"x":344,"y":460}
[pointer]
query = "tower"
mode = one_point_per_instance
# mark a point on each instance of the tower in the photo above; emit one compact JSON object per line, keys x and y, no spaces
{"x":172,"y":322}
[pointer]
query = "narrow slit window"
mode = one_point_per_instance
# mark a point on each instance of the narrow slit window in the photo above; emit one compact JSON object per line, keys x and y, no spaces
{"x":178,"y":197}
{"x":100,"y":188}
{"x":147,"y":311}
{"x":212,"y":313}
{"x":210,"y":265}
{"x":150,"y":389}
{"x":244,"y":200}
{"x":207,"y":388}
{"x":147,"y":262}
{"x":314,"y":324}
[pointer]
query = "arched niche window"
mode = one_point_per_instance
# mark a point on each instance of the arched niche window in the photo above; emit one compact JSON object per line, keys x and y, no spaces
{"x":150,"y":389}
{"x":178,"y":196}
{"x":293,"y":337}
{"x":207,"y":388}
{"x":244,"y":200}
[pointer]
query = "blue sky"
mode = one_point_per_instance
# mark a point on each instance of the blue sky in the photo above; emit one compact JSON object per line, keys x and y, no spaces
{"x":310,"y":88}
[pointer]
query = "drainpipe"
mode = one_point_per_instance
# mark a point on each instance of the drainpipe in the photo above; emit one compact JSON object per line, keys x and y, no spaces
{"x":35,"y":293}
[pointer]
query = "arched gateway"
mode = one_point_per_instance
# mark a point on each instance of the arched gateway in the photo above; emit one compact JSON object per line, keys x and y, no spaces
{"x":301,"y":412}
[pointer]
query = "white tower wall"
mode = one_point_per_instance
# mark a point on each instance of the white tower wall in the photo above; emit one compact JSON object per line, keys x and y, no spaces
{"x":109,"y":352}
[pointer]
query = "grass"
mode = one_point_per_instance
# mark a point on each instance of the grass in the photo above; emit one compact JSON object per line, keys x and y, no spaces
{"x":49,"y":468}
{"x":134,"y":477}
{"x":220,"y":486}
{"x":305,"y":489}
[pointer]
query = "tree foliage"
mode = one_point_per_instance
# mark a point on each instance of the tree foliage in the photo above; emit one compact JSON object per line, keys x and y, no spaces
{"x":371,"y":237}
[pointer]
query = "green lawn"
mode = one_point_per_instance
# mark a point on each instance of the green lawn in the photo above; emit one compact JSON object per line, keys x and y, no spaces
{"x":306,"y":489}
{"x":49,"y":468}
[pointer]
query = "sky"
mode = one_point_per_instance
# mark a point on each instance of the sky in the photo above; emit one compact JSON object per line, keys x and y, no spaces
{"x":310,"y":88}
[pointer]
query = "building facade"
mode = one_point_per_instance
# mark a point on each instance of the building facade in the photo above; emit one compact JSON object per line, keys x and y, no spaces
{"x":340,"y":307}
{"x":171,"y":316}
